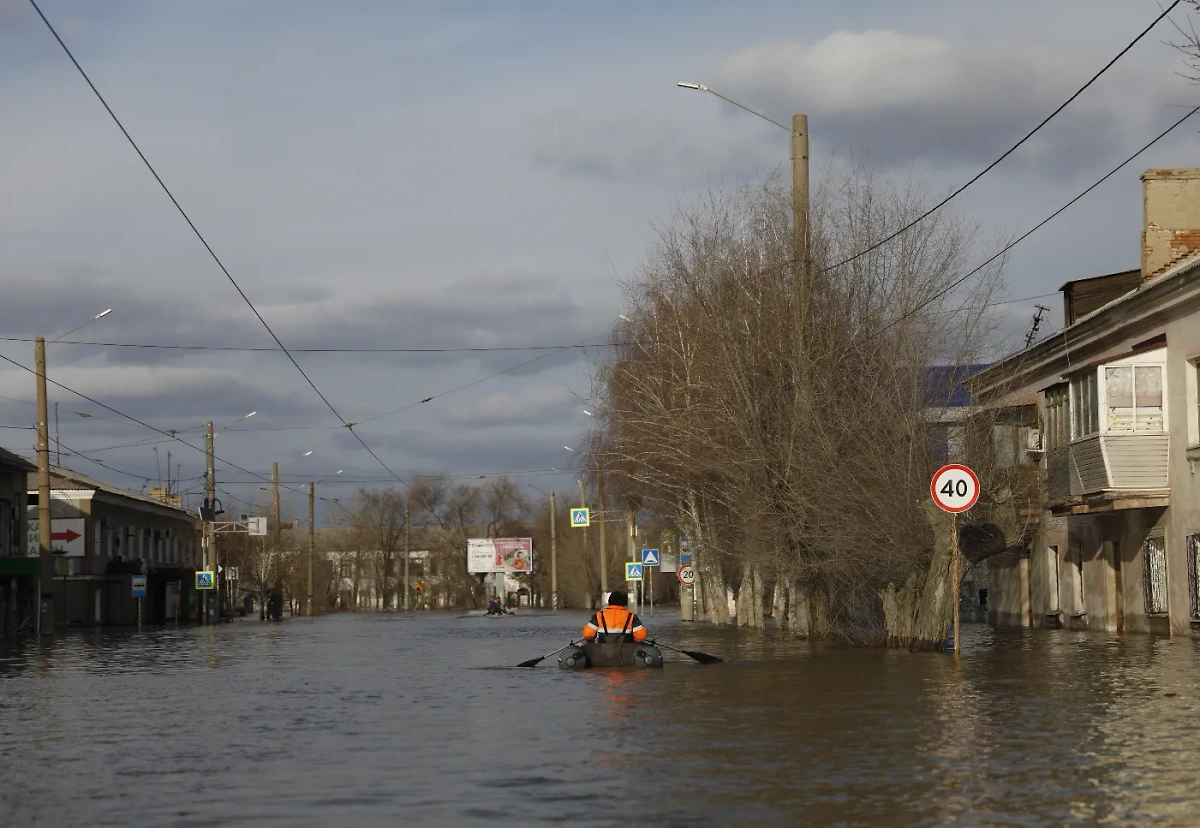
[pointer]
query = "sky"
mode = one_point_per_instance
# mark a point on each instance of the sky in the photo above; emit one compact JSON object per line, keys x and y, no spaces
{"x":479,"y":175}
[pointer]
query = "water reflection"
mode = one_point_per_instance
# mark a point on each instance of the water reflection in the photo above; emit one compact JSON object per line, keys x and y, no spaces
{"x":378,"y":720}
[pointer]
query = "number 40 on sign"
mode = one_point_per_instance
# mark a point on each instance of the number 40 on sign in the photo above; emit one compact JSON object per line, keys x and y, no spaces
{"x":955,"y":488}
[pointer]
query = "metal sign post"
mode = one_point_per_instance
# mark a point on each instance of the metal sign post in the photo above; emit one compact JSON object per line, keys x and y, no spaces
{"x":955,"y":489}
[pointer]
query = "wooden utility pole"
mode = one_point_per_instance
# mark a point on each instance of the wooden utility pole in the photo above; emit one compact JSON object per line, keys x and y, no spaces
{"x":603,"y":541}
{"x":45,"y":551}
{"x":407,"y":551}
{"x":800,"y":192}
{"x":210,"y":537}
{"x":553,"y":557}
{"x":312,"y":544}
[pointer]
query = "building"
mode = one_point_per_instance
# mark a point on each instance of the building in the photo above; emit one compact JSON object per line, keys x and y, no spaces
{"x":18,"y":572}
{"x":1117,"y":546}
{"x":103,"y":535}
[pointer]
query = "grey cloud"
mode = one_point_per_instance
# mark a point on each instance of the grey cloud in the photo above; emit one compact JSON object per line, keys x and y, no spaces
{"x":897,"y":98}
{"x":909,"y":98}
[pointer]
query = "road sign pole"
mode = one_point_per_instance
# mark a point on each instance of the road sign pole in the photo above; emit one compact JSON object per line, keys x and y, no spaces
{"x":139,"y":613}
{"x":651,"y":592}
{"x":954,"y":575}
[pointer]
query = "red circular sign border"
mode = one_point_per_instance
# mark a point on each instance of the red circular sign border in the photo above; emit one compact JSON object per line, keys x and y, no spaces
{"x":679,"y":572}
{"x":953,"y":467}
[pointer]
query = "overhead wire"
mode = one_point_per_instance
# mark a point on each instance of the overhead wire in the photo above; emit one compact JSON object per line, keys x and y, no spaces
{"x":959,"y":190}
{"x":204,"y":242}
{"x":131,"y":418}
{"x":1004,"y":250}
{"x":262,"y":349}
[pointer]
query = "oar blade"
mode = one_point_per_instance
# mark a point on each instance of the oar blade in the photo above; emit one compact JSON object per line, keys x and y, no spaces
{"x":533,"y":662}
{"x":703,"y":658}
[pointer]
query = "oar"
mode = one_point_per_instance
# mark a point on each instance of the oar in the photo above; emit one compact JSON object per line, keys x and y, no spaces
{"x":703,"y":658}
{"x":533,"y":662}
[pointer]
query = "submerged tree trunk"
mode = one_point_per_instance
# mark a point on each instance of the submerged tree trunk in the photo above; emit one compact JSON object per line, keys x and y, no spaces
{"x":917,"y":614}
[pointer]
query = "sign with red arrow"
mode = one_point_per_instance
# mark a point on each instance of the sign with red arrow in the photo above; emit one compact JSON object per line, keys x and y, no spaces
{"x":66,"y":537}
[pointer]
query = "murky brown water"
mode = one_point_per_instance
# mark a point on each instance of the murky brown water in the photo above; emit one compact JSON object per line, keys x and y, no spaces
{"x":390,"y":720}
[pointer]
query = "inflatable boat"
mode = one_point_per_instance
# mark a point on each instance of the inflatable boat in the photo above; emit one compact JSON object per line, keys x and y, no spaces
{"x":612,"y":654}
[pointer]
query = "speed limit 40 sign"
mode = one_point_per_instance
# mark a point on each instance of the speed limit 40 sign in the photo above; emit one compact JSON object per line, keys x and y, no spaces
{"x":955,"y":488}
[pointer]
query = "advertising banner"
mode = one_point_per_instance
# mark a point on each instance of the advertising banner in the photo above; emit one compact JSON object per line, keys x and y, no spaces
{"x":512,"y":556}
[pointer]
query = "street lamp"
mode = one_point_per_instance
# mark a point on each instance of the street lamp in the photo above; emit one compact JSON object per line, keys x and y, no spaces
{"x":45,"y":554}
{"x":799,"y":133}
{"x":100,"y":315}
{"x":238,"y":420}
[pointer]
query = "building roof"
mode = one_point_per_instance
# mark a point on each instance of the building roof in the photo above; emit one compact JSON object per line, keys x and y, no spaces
{"x":947,"y":387}
{"x":14,"y":462}
{"x":1169,"y":287}
{"x":68,"y":480}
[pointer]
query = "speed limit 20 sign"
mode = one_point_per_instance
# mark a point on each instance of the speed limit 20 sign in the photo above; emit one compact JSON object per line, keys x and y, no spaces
{"x":687,"y":574}
{"x":955,"y":488}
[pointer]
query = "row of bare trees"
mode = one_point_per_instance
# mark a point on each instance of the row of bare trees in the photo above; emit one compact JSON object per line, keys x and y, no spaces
{"x":360,"y":553}
{"x":777,"y":410}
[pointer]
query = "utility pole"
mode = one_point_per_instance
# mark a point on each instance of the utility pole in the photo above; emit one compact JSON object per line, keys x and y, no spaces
{"x":553,"y":558}
{"x":407,"y":551}
{"x":583,"y":505}
{"x":632,"y":551}
{"x":45,"y":553}
{"x":210,"y":537}
{"x":1037,"y":323}
{"x":312,"y":544}
{"x":603,"y":543}
{"x":800,"y":193}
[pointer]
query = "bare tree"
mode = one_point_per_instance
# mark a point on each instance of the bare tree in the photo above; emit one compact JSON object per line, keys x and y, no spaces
{"x":777,"y":410}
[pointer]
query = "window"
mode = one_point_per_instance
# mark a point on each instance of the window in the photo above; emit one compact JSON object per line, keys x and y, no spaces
{"x":1193,"y":561}
{"x":1134,"y":399}
{"x":1085,"y":405}
{"x":1057,"y":418}
{"x":1052,"y":559}
{"x":1154,"y":575}
{"x":1080,"y":606}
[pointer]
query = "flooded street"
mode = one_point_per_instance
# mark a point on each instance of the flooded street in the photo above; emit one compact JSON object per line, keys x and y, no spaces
{"x":394,"y":719}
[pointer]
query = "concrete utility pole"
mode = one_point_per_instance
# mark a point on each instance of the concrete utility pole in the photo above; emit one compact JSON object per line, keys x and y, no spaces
{"x":603,"y":542}
{"x":45,"y":552}
{"x":312,"y":544}
{"x":407,"y":551}
{"x":583,"y":505}
{"x":553,"y":557}
{"x":210,"y":537}
{"x":633,"y":558}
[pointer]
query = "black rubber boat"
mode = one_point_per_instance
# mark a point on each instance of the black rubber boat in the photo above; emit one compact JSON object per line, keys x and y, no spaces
{"x":611,"y":654}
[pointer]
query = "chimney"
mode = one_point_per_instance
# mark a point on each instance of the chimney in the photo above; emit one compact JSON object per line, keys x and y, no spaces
{"x":1170,"y":217}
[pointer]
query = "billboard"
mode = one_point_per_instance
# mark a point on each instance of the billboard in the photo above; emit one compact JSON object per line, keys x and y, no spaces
{"x":512,"y":556}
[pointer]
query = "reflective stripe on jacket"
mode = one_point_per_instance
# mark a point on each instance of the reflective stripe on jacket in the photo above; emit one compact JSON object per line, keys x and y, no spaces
{"x":611,"y":622}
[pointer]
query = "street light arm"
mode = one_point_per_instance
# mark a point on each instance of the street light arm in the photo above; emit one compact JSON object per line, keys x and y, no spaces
{"x":701,"y":87}
{"x":100,"y":315}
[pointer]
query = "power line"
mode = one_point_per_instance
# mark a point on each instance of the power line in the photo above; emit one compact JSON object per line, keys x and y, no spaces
{"x":112,"y":410}
{"x":473,"y":383}
{"x":212,"y":253}
{"x":1010,"y":150}
{"x":1026,"y":234}
{"x":260,"y":349}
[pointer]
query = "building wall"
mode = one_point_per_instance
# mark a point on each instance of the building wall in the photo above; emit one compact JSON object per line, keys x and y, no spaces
{"x":1183,"y":350}
{"x":1008,"y":596}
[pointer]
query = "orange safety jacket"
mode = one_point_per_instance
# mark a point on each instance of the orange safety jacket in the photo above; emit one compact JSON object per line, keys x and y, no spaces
{"x":614,"y":623}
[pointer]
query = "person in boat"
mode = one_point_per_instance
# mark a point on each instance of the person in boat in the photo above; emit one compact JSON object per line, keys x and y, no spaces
{"x":615,"y":622}
{"x":494,"y":607}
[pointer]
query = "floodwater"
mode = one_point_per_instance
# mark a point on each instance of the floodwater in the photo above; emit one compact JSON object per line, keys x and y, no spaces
{"x":364,"y":720}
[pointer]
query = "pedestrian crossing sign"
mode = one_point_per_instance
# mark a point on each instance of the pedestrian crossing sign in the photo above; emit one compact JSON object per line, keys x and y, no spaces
{"x":633,"y":572}
{"x":649,"y":557}
{"x":204,"y":580}
{"x":581,"y":518}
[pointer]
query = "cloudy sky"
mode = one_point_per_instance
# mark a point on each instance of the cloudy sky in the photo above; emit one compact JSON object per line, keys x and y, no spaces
{"x":465,"y":175}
